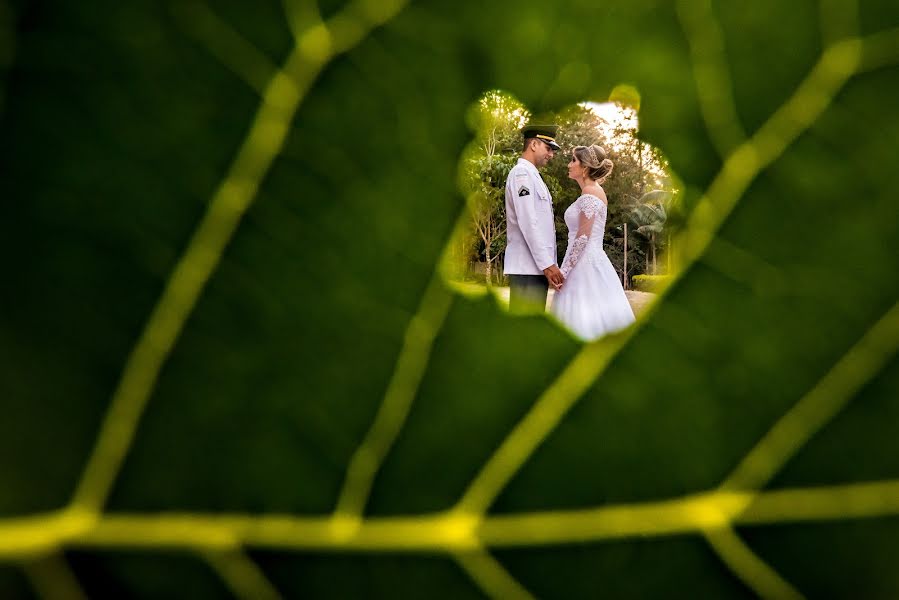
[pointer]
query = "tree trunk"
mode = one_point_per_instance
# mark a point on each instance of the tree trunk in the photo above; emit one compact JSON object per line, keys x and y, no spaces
{"x":668,"y":256}
{"x":642,"y":172}
{"x":652,"y":241}
{"x":624,"y":270}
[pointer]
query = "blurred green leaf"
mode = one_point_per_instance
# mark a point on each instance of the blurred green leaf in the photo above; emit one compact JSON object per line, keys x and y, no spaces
{"x":120,"y":121}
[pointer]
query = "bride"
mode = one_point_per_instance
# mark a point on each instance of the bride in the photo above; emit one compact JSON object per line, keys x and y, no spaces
{"x":591,"y":301}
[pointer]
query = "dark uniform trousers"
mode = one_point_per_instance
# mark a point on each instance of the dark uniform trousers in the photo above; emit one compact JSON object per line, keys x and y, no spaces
{"x":527,"y":293}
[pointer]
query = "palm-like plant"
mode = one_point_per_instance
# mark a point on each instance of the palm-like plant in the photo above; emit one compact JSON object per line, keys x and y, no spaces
{"x":650,"y":214}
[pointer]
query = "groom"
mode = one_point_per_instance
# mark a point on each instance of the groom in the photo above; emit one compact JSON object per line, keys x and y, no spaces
{"x":530,"y":260}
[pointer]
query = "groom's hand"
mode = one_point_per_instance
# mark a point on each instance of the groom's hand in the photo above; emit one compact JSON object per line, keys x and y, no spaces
{"x":555,"y":277}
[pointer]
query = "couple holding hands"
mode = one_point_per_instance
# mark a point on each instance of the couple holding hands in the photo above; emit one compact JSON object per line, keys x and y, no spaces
{"x":589,"y":298}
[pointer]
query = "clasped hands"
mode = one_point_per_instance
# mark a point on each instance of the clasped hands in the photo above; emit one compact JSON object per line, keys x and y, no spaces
{"x":555,"y":277}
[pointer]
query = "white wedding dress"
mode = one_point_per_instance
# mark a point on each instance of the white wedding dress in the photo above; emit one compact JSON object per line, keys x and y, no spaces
{"x":591,"y":302}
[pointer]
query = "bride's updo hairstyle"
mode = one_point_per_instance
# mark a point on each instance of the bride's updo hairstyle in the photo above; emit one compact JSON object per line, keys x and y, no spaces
{"x":596,"y":160}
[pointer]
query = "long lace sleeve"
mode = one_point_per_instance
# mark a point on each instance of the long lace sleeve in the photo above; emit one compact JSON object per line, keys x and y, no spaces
{"x":588,"y":208}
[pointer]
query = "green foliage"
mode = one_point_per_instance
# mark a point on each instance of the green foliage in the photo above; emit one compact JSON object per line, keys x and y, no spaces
{"x":120,"y":123}
{"x":650,"y":283}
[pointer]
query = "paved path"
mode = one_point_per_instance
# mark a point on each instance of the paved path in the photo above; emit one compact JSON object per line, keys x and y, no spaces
{"x":639,"y":300}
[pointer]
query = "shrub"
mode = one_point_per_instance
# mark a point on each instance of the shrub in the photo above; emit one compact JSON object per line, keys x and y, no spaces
{"x":650,"y":283}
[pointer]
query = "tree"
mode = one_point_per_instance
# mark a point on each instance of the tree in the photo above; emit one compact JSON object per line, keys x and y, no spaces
{"x":497,"y":119}
{"x":650,"y":216}
{"x":487,"y":207}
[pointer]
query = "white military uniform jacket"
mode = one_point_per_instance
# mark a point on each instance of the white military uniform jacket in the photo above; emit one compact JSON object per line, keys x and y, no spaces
{"x":530,"y":229}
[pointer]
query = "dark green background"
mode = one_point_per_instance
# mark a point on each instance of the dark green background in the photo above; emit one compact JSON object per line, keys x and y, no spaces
{"x":117,"y":126}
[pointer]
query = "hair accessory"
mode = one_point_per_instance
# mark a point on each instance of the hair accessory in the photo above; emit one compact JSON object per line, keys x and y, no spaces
{"x":593,"y":154}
